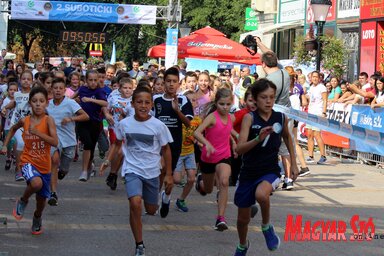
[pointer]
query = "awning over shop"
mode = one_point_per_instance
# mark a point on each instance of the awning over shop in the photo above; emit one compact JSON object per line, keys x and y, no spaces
{"x":278,"y":27}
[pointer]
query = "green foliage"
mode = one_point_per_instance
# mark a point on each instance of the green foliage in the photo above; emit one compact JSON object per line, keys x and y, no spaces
{"x":333,"y":56}
{"x":132,"y":41}
{"x":300,"y":55}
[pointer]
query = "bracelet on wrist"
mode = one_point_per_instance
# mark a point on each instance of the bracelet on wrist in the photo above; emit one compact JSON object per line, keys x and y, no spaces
{"x":257,"y":139}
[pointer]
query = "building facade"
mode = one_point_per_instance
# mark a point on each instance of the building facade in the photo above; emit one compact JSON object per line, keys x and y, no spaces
{"x":372,"y":36}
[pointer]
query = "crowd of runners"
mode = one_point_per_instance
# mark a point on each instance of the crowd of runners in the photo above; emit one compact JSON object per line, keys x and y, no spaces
{"x":157,"y":128}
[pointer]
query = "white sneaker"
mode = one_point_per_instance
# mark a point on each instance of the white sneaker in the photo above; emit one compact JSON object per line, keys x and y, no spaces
{"x":84,"y":176}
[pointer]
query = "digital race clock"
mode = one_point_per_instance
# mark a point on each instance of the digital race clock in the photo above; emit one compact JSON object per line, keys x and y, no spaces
{"x":82,"y":37}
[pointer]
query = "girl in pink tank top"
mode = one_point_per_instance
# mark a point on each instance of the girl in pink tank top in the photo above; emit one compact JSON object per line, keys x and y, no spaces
{"x":216,"y":152}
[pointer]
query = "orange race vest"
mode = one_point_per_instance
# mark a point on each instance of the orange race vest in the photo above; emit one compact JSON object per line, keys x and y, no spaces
{"x":36,"y":151}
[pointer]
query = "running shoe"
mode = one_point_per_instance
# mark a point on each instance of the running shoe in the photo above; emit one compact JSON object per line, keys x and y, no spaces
{"x":240,"y":251}
{"x":322,"y":160}
{"x":61,"y":174}
{"x":37,"y":228}
{"x":304,"y":172}
{"x":140,"y":250}
{"x":53,"y":199}
{"x":199,"y":178}
{"x":19,"y":176}
{"x":8,"y":164}
{"x":19,"y":209}
{"x":112,"y":181}
{"x":164,"y":210}
{"x":91,"y":170}
{"x":181,"y":205}
{"x":310,"y":160}
{"x":288,"y":185}
{"x":84,"y":176}
{"x":221,"y":224}
{"x":272,"y":240}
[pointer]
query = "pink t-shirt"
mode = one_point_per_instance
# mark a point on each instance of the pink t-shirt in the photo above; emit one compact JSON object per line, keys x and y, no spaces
{"x":202,"y":102}
{"x":219,"y":136}
{"x":69,"y":92}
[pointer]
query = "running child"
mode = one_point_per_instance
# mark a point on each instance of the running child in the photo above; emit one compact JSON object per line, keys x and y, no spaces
{"x":21,"y":110}
{"x":173,"y":110}
{"x":92,"y":99}
{"x":145,"y":138}
{"x":216,"y":152}
{"x":39,"y":135}
{"x":65,"y":112}
{"x":7,"y":114}
{"x":259,"y":142}
{"x":187,"y":157}
{"x":119,"y":107}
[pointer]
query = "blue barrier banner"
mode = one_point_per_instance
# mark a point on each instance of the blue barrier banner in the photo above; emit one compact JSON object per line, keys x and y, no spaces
{"x":366,"y":117}
{"x":362,"y":139}
{"x":366,"y":120}
{"x":83,"y":12}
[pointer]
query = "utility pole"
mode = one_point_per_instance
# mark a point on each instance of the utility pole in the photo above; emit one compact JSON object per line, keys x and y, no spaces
{"x":4,"y":7}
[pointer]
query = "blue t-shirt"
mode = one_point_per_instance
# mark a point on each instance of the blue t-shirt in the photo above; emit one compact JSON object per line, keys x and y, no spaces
{"x":107,"y":90}
{"x":93,"y":110}
{"x":67,"y":108}
{"x":331,"y":96}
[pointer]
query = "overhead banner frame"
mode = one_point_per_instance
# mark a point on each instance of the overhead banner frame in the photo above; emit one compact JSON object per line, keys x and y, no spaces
{"x":83,"y":12}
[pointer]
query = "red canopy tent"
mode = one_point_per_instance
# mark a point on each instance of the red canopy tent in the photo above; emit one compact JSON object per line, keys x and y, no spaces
{"x":209,"y":43}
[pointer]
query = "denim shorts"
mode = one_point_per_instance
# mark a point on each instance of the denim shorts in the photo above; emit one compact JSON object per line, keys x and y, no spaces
{"x":66,"y":156}
{"x":29,"y":172}
{"x":148,"y":189}
{"x":245,"y":190}
{"x":187,"y":161}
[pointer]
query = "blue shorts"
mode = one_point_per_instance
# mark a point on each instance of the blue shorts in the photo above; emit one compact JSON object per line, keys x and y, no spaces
{"x":148,"y":189}
{"x":29,"y":172}
{"x":187,"y":161}
{"x":245,"y":191}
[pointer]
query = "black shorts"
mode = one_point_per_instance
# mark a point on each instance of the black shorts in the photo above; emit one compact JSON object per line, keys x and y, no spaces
{"x":175,"y":153}
{"x":209,"y":168}
{"x":89,"y":132}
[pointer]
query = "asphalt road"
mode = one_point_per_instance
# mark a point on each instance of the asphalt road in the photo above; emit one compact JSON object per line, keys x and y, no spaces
{"x":93,"y":220}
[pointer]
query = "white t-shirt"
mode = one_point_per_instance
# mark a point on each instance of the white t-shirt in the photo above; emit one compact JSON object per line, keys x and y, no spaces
{"x":380,"y":97}
{"x":315,"y":105}
{"x":22,"y":108}
{"x":8,"y":115}
{"x":142,"y":142}
{"x":366,"y":86}
{"x":67,"y":108}
{"x":118,"y":105}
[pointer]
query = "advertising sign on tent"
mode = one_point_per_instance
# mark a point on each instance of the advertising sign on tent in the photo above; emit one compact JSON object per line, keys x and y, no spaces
{"x":83,"y":12}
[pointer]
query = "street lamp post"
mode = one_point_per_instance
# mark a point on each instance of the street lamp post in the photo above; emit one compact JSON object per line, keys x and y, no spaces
{"x":320,"y":10}
{"x":184,"y":28}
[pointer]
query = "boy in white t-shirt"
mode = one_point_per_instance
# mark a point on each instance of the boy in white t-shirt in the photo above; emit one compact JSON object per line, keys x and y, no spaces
{"x":144,"y":137}
{"x":119,"y":106}
{"x":65,"y":112}
{"x":317,"y":105}
{"x":21,"y":109}
{"x":7,"y":114}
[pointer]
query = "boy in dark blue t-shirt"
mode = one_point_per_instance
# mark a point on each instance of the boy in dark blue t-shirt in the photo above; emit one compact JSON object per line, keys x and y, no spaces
{"x":173,"y":110}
